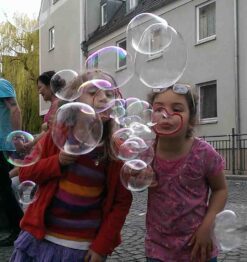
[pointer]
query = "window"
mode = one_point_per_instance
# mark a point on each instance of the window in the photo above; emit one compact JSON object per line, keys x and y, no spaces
{"x":103,"y":14}
{"x":155,"y":42}
{"x":132,"y":4}
{"x":95,"y":62}
{"x":51,"y":38}
{"x":121,"y":61}
{"x":208,"y":102}
{"x":206,"y":21}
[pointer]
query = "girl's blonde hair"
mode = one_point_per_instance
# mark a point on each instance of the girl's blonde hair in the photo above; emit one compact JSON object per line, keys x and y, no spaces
{"x":192,"y":100}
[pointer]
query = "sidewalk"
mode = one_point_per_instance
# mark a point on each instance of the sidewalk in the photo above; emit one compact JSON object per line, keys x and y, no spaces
{"x":132,"y":247}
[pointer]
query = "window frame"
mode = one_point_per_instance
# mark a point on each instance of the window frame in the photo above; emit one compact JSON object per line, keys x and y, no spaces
{"x":132,"y":4}
{"x":156,"y":54}
{"x":51,"y":38}
{"x":118,"y":61}
{"x":207,"y":120}
{"x":208,"y":38}
{"x":103,"y":11}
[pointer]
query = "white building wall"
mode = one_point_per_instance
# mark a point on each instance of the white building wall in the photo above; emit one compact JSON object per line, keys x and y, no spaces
{"x":209,"y":61}
{"x":66,"y":16}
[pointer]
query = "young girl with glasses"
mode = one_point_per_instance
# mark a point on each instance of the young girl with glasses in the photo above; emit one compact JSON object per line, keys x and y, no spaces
{"x":181,"y":211}
{"x":81,"y":204}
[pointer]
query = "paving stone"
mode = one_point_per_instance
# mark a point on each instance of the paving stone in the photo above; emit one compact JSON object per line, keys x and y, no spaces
{"x":132,"y":247}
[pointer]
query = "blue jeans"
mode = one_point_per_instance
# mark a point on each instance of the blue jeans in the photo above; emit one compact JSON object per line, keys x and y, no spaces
{"x":157,"y":260}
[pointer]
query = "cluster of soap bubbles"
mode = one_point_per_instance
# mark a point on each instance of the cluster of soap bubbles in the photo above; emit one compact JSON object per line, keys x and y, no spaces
{"x":156,"y":54}
{"x":133,"y":143}
{"x":77,"y":127}
{"x":20,"y":151}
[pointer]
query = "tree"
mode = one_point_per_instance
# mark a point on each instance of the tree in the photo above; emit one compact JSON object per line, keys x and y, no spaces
{"x":19,"y":53}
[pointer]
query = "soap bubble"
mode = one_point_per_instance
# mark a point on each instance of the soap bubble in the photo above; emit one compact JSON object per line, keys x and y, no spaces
{"x":64,"y":85}
{"x":228,"y":231}
{"x":148,"y":34}
{"x":165,"y":68}
{"x":77,"y":129}
{"x":136,"y":175}
{"x":27,"y":192}
{"x":106,"y":60}
{"x":19,"y":149}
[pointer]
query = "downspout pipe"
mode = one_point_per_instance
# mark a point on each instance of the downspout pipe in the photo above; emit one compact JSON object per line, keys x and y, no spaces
{"x":236,"y":68}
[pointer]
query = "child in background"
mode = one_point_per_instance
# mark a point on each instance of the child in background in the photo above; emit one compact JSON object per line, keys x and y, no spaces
{"x":81,"y":205}
{"x":180,"y":219}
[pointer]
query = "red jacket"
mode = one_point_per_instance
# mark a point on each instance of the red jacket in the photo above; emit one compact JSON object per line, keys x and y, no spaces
{"x":46,"y":173}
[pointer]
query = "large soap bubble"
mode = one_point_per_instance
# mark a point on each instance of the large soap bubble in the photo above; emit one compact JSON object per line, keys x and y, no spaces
{"x":148,"y":34}
{"x":19,"y":150}
{"x":228,"y":230}
{"x":77,"y":129}
{"x":165,"y":68}
{"x":108,"y":59}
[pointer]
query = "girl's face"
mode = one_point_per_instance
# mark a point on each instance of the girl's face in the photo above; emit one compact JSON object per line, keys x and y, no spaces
{"x":177,"y":110}
{"x":97,"y":98}
{"x":45,"y":91}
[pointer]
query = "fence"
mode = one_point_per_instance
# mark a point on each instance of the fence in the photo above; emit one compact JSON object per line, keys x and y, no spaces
{"x":233,"y":148}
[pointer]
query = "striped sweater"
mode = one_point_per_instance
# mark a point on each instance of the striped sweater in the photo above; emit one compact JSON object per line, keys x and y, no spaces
{"x":75,"y":213}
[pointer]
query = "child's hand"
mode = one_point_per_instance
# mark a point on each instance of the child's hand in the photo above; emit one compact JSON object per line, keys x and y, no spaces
{"x":202,"y":245}
{"x":154,"y":182}
{"x":92,"y":256}
{"x":66,"y":159}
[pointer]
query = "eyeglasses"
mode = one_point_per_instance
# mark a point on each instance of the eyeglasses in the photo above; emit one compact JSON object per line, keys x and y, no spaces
{"x":180,"y":89}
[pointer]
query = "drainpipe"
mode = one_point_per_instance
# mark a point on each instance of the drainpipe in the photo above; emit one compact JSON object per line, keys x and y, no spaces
{"x":236,"y":68}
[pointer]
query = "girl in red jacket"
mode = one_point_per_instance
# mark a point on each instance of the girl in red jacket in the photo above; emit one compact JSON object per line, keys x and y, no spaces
{"x":81,"y":205}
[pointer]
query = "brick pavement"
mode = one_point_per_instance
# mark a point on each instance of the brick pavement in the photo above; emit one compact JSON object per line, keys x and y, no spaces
{"x":132,"y":248}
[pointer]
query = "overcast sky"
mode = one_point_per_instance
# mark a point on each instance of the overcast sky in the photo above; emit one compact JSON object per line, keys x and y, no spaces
{"x":28,"y":7}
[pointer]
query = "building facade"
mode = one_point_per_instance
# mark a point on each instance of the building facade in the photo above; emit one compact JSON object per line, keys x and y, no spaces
{"x":213,"y":30}
{"x":61,"y":33}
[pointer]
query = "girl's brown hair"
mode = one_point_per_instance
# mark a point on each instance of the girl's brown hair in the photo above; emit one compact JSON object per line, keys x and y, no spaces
{"x":108,"y":125}
{"x":192,"y":100}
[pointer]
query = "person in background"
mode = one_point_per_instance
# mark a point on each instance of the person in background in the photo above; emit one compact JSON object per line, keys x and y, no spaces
{"x":10,"y":120}
{"x":44,"y":89}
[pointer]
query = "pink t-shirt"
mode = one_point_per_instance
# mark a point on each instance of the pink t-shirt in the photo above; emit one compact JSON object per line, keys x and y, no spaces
{"x":177,"y":206}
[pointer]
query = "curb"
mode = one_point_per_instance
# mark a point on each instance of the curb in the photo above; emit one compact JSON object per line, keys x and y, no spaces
{"x":236,"y":177}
